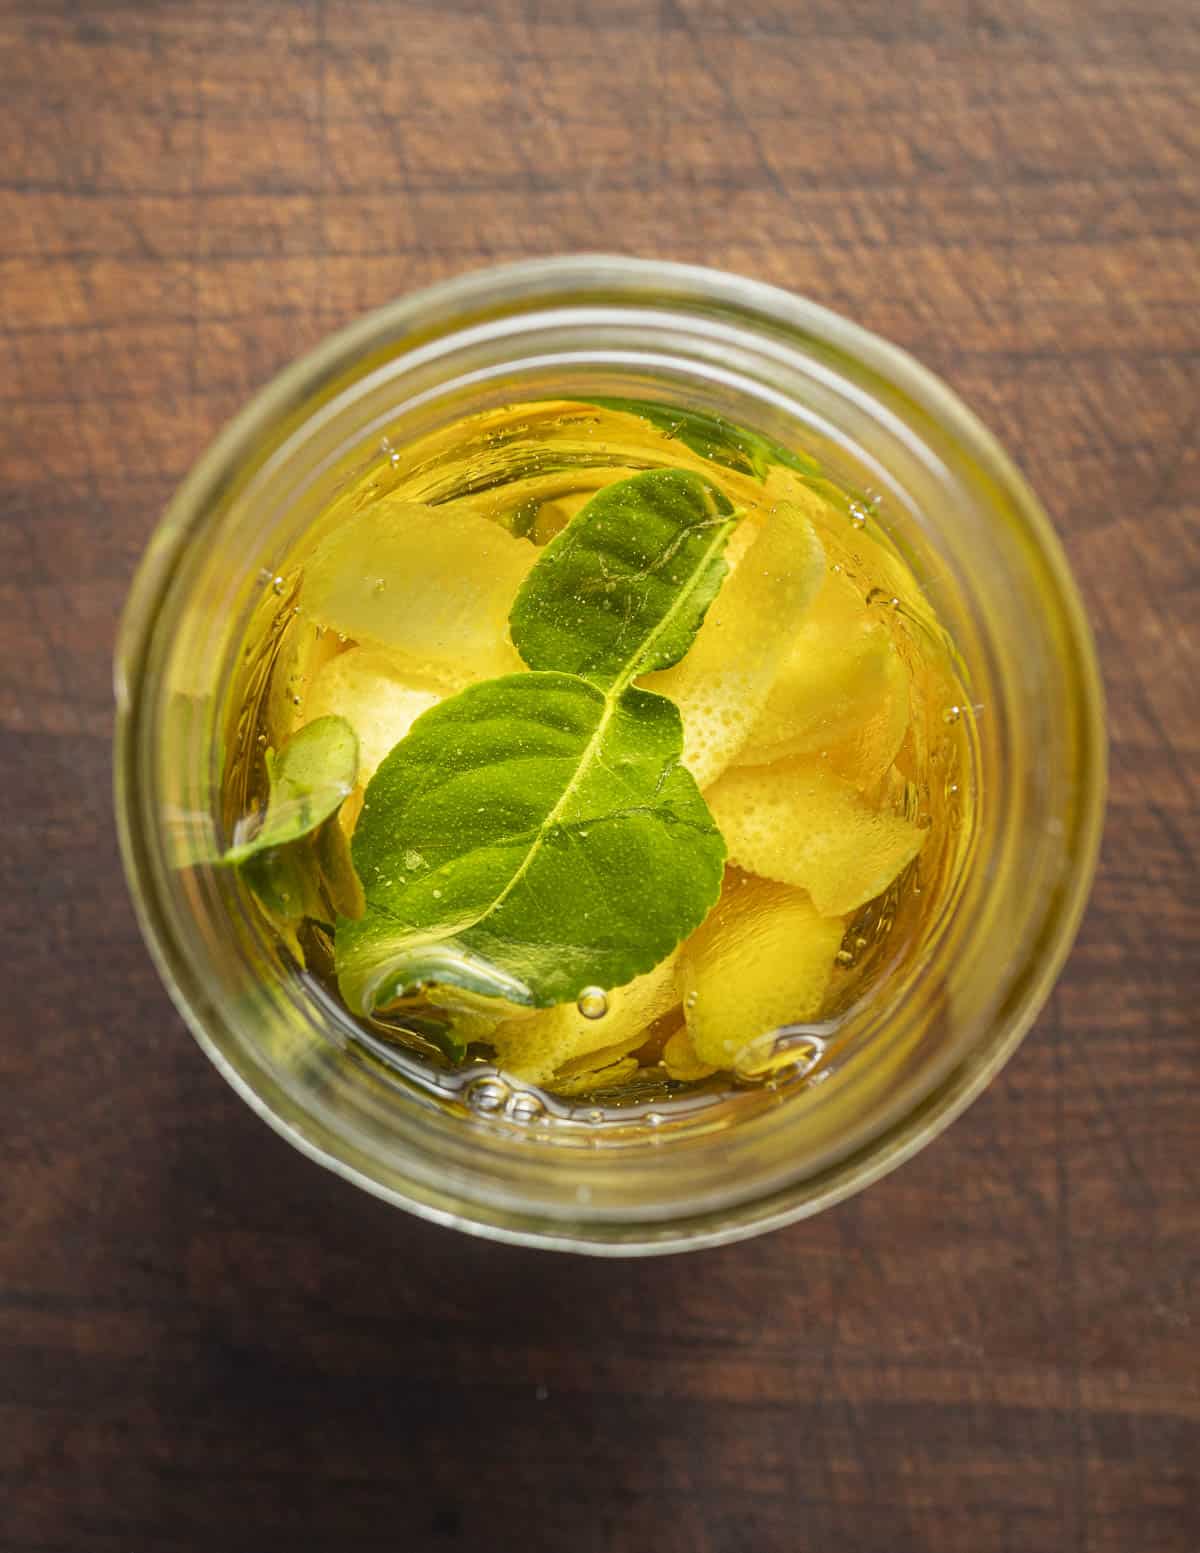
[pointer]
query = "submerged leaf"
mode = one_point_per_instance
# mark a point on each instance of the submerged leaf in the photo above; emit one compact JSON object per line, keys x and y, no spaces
{"x":530,"y":837}
{"x":286,"y":883}
{"x":315,"y":770}
{"x":713,"y":437}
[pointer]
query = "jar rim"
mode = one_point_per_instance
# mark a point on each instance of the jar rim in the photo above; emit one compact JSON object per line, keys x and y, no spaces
{"x":478,"y":296}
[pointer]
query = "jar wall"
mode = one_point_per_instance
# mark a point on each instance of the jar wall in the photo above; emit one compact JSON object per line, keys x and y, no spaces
{"x":977,"y":543}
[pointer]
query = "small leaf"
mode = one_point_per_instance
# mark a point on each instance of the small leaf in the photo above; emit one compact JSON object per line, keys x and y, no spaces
{"x":286,"y":884}
{"x":623,"y":589}
{"x":714,"y":438}
{"x":309,"y":778}
{"x":531,"y":836}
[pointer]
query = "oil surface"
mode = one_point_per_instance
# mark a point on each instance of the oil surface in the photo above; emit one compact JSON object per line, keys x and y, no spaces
{"x":891,"y":718}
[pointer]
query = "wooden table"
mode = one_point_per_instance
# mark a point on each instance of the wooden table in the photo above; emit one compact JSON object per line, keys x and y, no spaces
{"x":206,"y":1342}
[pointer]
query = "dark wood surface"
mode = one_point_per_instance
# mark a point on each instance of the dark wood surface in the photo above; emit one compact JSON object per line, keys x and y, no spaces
{"x":205,"y":1341}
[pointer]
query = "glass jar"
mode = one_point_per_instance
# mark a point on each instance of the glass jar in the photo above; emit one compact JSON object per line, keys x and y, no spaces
{"x":974,"y":536}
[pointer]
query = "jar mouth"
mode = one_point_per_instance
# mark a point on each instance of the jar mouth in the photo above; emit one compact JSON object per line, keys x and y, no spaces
{"x":927,"y":422}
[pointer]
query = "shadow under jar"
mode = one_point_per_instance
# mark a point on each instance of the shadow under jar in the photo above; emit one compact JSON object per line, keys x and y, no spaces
{"x":942,"y":976}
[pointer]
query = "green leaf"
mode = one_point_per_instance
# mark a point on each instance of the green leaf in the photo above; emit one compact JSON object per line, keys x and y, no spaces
{"x":623,"y":589}
{"x":531,"y":836}
{"x":714,"y":438}
{"x":286,"y":884}
{"x":311,"y":877}
{"x":293,"y":872}
{"x":536,"y":834}
{"x":315,"y":770}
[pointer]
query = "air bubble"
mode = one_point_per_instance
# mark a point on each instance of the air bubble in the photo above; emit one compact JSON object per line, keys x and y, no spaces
{"x":487,"y":1095}
{"x":278,"y":584}
{"x":524,"y":1107}
{"x":593,"y":1003}
{"x":858,"y":515}
{"x":791,"y":1052}
{"x":952,"y":714}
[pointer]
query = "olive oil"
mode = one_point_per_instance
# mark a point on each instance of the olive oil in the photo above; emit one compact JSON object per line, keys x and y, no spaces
{"x":823,"y":717}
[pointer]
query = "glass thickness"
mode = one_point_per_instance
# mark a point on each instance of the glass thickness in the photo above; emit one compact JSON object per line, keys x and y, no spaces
{"x":517,"y":394}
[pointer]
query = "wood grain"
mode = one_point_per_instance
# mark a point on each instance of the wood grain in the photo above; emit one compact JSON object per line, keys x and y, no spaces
{"x":206,"y":1342}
